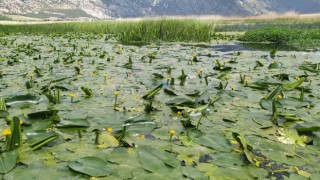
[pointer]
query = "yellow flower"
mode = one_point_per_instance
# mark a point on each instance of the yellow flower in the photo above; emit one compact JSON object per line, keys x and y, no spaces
{"x":310,"y":81}
{"x":81,"y":71}
{"x":179,"y":113}
{"x":142,"y":136}
{"x":6,"y":132}
{"x":308,"y":106}
{"x":297,"y":78}
{"x":104,"y":74}
{"x":21,"y":122}
{"x":93,"y":74}
{"x":116,"y":93}
{"x":93,"y":178}
{"x":72,"y":94}
{"x":279,"y":96}
{"x":79,"y":62}
{"x":109,"y":129}
{"x":31,"y":75}
{"x":221,"y":68}
{"x":171,"y":131}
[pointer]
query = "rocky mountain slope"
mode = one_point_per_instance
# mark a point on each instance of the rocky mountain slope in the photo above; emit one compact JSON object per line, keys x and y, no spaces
{"x":103,"y":9}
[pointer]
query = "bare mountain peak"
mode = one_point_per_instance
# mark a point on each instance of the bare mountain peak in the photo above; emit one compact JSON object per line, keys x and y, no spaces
{"x":102,"y":9}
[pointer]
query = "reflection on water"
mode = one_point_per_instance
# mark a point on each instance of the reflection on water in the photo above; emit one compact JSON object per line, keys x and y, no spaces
{"x":240,"y":46}
{"x":268,"y":47}
{"x":229,"y":47}
{"x":252,"y":47}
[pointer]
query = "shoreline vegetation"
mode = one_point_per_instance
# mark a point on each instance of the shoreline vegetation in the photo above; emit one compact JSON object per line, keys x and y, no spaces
{"x":289,"y":28}
{"x":78,"y":102}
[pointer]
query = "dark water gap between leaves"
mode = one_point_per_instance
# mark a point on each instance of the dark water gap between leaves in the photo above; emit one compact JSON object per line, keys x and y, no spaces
{"x":242,"y":46}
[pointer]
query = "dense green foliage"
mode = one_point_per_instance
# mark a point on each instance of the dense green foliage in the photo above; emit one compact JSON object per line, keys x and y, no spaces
{"x":240,"y":27}
{"x":276,"y":35}
{"x":4,"y":18}
{"x":252,"y":24}
{"x":285,"y":36}
{"x":299,"y":34}
{"x":127,"y":32}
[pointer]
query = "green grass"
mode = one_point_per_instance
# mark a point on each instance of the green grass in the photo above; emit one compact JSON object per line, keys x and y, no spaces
{"x":4,"y":18}
{"x":241,"y":25}
{"x":183,"y":30}
{"x":127,"y":32}
{"x":284,"y":36}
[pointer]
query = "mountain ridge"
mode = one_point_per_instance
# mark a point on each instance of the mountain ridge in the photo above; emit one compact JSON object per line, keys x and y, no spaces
{"x":106,"y":9}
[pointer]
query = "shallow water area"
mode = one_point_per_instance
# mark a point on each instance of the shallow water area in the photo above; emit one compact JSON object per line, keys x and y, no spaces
{"x":214,"y":120}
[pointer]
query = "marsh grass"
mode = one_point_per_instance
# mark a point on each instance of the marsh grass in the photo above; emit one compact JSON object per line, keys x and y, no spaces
{"x":242,"y":27}
{"x":127,"y":32}
{"x":285,"y":20}
{"x":299,"y":38}
{"x":4,"y":18}
{"x":184,"y":29}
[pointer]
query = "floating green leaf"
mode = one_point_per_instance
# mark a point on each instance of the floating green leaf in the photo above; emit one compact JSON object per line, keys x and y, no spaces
{"x":39,"y":139}
{"x":150,"y":94}
{"x":274,"y":93}
{"x":8,"y":161}
{"x":154,"y":160}
{"x":193,"y":173}
{"x":3,"y":108}
{"x":43,"y":114}
{"x":73,"y":123}
{"x":21,"y":99}
{"x":275,"y":65}
{"x":87,"y":91}
{"x":293,"y":85}
{"x":14,"y":139}
{"x":91,"y":166}
{"x":211,"y":139}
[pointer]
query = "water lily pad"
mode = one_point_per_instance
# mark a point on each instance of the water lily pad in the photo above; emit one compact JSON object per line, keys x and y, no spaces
{"x":68,"y":62}
{"x":91,"y":166}
{"x":151,"y":93}
{"x":4,"y":114}
{"x":154,"y":160}
{"x":73,"y":123}
{"x":275,"y":65}
{"x":181,"y":102}
{"x":3,"y":108}
{"x":23,"y":99}
{"x":170,"y":91}
{"x":19,"y":174}
{"x":267,"y":104}
{"x":106,"y":140}
{"x":211,"y":139}
{"x":292,"y":85}
{"x":308,"y":127}
{"x":240,"y":172}
{"x":8,"y":161}
{"x":227,"y":159}
{"x":38,"y":139}
{"x":43,"y":114}
{"x":193,"y":173}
